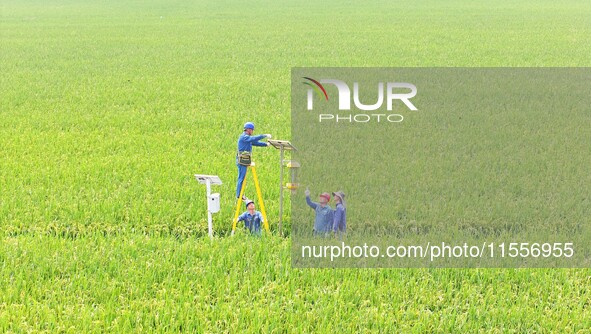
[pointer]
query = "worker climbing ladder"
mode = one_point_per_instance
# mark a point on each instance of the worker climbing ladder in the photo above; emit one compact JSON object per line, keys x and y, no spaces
{"x":259,"y":196}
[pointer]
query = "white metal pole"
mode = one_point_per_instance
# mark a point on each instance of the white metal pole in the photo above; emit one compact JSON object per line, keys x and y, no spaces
{"x":209,"y":218}
{"x":281,"y":191}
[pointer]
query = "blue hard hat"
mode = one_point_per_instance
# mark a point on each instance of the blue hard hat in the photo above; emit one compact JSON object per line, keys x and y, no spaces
{"x":249,"y":125}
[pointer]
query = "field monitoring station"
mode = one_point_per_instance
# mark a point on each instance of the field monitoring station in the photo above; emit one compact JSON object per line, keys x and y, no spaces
{"x":213,"y":199}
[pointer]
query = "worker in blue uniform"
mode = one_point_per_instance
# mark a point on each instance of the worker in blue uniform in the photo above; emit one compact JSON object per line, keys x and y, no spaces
{"x":245,"y":143}
{"x":252,"y":219}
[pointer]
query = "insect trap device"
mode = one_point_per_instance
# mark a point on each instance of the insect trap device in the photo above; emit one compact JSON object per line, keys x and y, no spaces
{"x":292,"y":167}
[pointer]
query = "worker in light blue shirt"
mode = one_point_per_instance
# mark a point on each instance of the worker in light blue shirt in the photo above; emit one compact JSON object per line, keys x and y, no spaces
{"x":339,"y":224}
{"x":323,"y":214}
{"x":245,"y":143}
{"x":252,"y":219}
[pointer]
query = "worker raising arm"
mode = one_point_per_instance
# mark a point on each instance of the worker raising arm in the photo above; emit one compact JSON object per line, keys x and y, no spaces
{"x":243,"y":157}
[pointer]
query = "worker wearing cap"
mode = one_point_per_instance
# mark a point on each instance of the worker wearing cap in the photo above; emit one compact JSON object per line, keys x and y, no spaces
{"x":245,"y":143}
{"x":252,"y":219}
{"x":339,"y":224}
{"x":324,"y":215}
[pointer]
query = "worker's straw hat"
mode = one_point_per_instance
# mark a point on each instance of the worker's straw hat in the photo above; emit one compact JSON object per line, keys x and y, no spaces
{"x":340,"y":195}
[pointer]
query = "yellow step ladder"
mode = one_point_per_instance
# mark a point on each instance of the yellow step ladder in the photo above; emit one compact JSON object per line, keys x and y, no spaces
{"x":259,"y":195}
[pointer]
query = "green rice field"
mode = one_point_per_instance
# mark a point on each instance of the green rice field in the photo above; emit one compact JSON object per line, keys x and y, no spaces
{"x":108,"y":108}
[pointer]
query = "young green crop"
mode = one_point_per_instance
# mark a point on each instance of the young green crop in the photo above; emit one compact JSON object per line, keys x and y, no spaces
{"x":108,"y":109}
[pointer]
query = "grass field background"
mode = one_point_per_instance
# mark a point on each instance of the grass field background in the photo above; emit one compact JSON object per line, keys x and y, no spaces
{"x":107,"y":109}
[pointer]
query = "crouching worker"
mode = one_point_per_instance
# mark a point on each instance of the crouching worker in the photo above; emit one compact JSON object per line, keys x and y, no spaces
{"x":340,"y":214}
{"x":252,"y":219}
{"x":324,"y":214}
